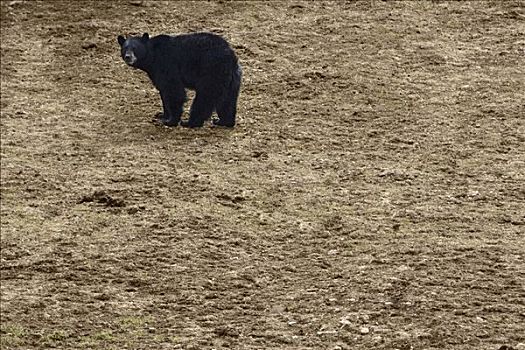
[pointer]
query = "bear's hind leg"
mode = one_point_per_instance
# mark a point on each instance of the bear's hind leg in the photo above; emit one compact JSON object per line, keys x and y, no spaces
{"x":227,"y":110}
{"x":227,"y":107}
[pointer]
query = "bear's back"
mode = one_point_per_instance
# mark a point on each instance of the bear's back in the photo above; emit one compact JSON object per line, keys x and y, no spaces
{"x":202,"y":40}
{"x":193,"y":42}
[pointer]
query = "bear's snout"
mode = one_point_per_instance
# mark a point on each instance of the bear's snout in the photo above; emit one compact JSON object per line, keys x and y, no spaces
{"x":129,"y":58}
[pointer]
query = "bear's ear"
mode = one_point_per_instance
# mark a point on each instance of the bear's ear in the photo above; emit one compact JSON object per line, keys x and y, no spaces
{"x":121,"y":40}
{"x":145,"y":36}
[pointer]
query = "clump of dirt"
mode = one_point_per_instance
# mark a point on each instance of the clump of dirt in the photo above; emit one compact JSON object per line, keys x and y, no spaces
{"x":101,"y":197}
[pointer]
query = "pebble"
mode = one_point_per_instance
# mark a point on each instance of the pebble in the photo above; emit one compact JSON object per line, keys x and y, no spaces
{"x":403,"y":334}
{"x":377,"y":338}
{"x":364,"y":330}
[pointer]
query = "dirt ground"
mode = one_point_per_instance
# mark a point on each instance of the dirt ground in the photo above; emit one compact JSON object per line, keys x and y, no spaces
{"x":370,"y":197}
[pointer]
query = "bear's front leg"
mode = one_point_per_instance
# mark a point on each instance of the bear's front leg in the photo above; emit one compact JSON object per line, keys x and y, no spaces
{"x":173,"y":108}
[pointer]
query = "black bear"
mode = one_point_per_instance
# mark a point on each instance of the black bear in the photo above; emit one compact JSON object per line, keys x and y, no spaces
{"x":203,"y":62}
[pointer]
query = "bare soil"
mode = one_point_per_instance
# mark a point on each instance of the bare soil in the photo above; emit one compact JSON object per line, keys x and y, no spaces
{"x":370,"y":197}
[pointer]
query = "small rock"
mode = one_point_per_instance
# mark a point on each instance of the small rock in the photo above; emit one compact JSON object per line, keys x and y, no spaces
{"x":133,"y":210}
{"x":87,"y":46}
{"x":377,"y":339}
{"x":364,"y":330}
{"x":403,"y":334}
{"x":520,"y":346}
{"x":326,"y":332}
{"x":102,"y":297}
{"x":227,"y":332}
{"x":403,"y":268}
{"x":345,"y":321}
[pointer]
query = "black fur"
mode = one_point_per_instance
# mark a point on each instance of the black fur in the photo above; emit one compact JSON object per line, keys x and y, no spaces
{"x":203,"y":62}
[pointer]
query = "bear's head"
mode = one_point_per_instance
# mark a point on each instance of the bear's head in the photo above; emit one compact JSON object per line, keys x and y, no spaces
{"x":133,"y":49}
